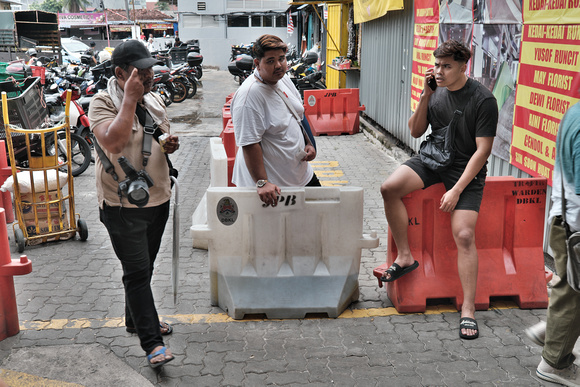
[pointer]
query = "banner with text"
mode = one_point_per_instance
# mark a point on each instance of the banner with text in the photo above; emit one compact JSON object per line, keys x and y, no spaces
{"x":549,"y":61}
{"x":551,"y":11}
{"x":68,"y":20}
{"x":425,"y":41}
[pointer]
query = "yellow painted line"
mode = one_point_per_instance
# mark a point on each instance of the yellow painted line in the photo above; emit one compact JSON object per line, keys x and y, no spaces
{"x":218,"y":318}
{"x":323,"y":174}
{"x":333,"y":183}
{"x":324,"y":164}
{"x":20,"y":379}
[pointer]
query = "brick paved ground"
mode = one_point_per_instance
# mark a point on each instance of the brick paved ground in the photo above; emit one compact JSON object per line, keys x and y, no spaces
{"x":74,"y":299}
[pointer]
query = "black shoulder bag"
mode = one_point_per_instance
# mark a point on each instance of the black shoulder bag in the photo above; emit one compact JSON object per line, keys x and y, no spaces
{"x":437,"y":152}
{"x":150,"y":128}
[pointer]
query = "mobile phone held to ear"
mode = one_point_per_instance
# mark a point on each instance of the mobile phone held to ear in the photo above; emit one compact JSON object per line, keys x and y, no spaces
{"x":432,"y":83}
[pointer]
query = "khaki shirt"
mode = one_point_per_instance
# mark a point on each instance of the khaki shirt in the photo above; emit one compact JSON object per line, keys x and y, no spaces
{"x":102,"y":110}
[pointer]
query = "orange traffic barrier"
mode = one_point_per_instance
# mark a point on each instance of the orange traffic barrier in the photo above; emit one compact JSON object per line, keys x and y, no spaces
{"x":226,"y":115}
{"x":229,"y":97}
{"x":5,"y":173}
{"x":332,"y":111}
{"x":9,"y":325}
{"x":229,"y":141}
{"x":509,"y":239}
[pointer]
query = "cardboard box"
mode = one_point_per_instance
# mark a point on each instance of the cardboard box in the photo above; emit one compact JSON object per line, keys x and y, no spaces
{"x":28,"y":204}
{"x":43,"y":226}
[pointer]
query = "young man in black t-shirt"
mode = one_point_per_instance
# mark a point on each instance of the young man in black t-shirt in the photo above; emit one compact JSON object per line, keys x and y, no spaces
{"x":464,"y":179}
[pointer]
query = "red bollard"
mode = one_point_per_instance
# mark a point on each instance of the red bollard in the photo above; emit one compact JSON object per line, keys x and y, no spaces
{"x":9,"y":325}
{"x":5,"y":172}
{"x":229,"y":141}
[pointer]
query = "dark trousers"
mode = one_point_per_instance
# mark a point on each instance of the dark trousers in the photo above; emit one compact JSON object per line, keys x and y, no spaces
{"x":136,"y":237}
{"x":314,"y":182}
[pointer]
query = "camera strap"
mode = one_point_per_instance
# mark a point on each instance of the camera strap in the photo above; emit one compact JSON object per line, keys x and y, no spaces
{"x":150,"y":130}
{"x":107,"y":165}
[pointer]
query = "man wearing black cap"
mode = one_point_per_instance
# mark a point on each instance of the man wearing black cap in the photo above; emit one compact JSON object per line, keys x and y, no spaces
{"x":135,"y":224}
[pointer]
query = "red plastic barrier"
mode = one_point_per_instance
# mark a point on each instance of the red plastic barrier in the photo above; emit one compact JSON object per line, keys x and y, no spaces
{"x":229,"y":97}
{"x":229,"y":141}
{"x":9,"y":325}
{"x":332,"y":111}
{"x":226,"y":115}
{"x":5,"y":173}
{"x":509,"y":239}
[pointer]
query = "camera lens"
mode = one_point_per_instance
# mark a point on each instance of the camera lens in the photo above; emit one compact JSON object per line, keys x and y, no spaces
{"x":138,"y":192}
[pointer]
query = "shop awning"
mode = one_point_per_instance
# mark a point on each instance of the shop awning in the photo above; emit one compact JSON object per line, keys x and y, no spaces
{"x":156,"y":26}
{"x":124,"y":28}
{"x":365,"y":10}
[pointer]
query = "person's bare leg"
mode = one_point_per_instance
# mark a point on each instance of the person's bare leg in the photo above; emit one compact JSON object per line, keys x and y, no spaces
{"x":403,"y":181}
{"x":463,"y":226}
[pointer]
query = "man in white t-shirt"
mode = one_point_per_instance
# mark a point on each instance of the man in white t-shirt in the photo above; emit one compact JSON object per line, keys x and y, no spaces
{"x":273,"y":150}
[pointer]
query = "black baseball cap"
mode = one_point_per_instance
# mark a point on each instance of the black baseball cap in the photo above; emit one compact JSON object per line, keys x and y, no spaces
{"x":133,"y":52}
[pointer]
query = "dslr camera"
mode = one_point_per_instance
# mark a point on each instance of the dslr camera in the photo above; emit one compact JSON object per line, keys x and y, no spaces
{"x":136,"y":184}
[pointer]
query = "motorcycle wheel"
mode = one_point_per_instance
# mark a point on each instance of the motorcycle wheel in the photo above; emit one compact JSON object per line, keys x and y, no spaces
{"x":191,"y":89}
{"x":164,"y":94}
{"x":179,"y":91}
{"x":80,"y":157}
{"x":198,"y":72}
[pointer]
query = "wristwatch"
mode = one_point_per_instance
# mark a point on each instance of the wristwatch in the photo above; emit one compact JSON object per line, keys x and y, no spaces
{"x":260,"y":183}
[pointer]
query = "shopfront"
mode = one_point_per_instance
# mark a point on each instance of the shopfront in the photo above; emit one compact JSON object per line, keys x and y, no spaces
{"x":83,"y":25}
{"x":158,"y":30}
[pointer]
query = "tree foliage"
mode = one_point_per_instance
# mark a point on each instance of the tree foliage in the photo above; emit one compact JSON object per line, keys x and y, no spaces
{"x":74,"y":6}
{"x":47,"y":6}
{"x":162,"y":6}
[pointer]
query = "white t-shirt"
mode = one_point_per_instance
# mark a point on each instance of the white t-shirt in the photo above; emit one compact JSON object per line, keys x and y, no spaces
{"x":260,"y":116}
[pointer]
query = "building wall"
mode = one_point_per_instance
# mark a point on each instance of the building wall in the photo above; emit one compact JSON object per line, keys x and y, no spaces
{"x":207,"y":22}
{"x":215,"y":41}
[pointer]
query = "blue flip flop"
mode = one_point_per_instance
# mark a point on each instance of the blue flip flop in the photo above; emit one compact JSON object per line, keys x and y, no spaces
{"x":160,"y":352}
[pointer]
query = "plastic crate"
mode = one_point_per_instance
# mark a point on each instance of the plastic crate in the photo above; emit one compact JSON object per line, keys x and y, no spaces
{"x":4,"y":75}
{"x":39,"y":71}
{"x":26,"y":106}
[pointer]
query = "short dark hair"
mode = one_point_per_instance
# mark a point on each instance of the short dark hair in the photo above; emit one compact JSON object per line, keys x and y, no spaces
{"x":454,"y":48}
{"x":266,"y":43}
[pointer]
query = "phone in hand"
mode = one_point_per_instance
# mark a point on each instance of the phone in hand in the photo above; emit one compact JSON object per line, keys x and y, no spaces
{"x":432,"y":83}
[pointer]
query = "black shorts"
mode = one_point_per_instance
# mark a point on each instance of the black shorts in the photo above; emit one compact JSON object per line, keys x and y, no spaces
{"x":470,"y":198}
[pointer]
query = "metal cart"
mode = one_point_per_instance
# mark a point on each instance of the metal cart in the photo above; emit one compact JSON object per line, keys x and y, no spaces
{"x":47,"y":212}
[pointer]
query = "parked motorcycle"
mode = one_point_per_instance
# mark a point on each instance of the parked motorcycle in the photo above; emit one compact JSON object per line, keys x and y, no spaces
{"x":194,"y":60}
{"x":241,"y":49}
{"x":186,"y":74}
{"x":304,"y":75}
{"x":241,"y":68}
{"x":160,"y":78}
{"x":80,"y":129}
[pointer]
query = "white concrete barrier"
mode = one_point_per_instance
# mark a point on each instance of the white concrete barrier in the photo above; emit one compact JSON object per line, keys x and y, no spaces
{"x":302,"y":256}
{"x":218,"y":178}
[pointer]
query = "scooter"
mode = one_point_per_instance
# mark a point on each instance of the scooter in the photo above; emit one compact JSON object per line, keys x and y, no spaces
{"x":80,"y":127}
{"x":241,"y":68}
{"x":160,"y":78}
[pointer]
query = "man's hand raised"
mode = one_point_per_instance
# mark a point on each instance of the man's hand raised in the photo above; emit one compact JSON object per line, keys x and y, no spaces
{"x":134,"y":86}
